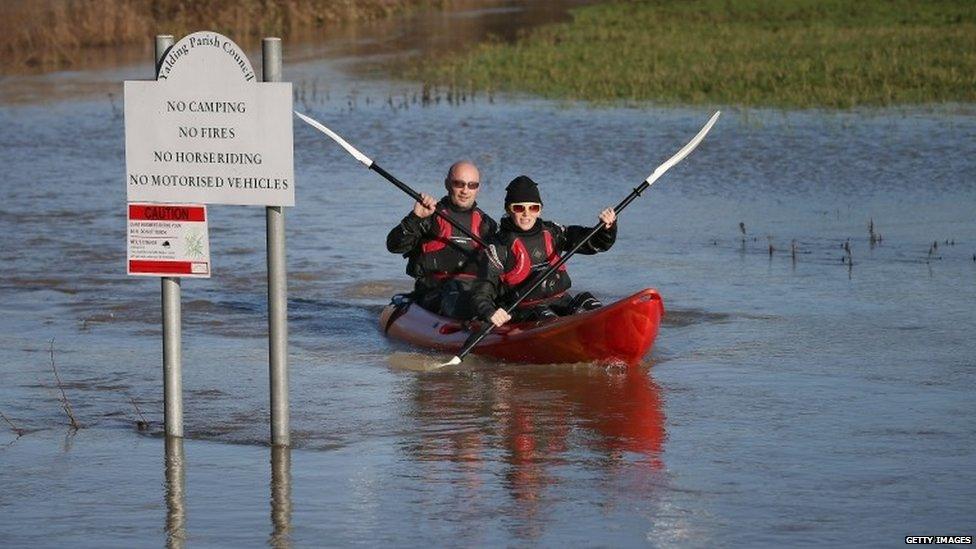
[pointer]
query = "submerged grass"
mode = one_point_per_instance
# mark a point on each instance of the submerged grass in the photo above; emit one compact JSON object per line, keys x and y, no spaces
{"x":65,"y":403}
{"x":53,"y":34}
{"x":786,"y":53}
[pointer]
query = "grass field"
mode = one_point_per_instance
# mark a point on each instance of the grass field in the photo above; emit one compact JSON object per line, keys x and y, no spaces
{"x":782,"y":53}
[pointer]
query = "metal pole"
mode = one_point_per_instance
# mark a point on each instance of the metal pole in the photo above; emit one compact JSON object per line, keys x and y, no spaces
{"x":175,"y":493}
{"x":172,"y":315}
{"x":277,"y":284}
{"x":280,"y":496}
{"x":163,"y":43}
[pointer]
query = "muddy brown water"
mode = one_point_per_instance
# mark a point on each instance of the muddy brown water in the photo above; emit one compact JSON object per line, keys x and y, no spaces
{"x":786,"y":400}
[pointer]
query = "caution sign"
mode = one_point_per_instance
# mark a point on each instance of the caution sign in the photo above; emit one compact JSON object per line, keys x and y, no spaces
{"x":168,"y":240}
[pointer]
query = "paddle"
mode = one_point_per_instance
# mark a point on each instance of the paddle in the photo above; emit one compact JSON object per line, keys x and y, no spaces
{"x":476,"y":337}
{"x":389,"y":177}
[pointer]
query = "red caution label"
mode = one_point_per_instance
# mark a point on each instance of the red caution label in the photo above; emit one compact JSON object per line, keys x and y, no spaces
{"x":159,"y":212}
{"x":168,"y":240}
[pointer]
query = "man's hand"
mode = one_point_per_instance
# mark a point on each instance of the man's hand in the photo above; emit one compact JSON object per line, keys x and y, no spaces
{"x":608,"y":217}
{"x":424,"y":208}
{"x":500,"y":317}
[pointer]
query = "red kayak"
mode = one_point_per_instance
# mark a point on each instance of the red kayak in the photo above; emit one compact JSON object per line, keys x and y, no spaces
{"x":620,"y":332}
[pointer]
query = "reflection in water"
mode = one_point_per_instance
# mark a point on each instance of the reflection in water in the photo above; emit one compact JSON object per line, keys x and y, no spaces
{"x":69,"y":440}
{"x":280,"y":496}
{"x":539,"y":417}
{"x":175,"y":493}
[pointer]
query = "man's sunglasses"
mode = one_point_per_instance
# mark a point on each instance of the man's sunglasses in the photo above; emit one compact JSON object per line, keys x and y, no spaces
{"x":522,"y":207}
{"x":457,"y":184}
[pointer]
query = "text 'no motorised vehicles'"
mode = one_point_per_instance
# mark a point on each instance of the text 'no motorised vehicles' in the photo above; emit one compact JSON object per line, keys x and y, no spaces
{"x":210,"y":181}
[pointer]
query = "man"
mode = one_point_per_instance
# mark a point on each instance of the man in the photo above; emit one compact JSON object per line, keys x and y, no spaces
{"x":524,"y":247}
{"x":442,"y":259}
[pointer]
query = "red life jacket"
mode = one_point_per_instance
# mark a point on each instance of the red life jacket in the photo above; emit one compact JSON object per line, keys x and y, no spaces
{"x":450,"y":255}
{"x":533,"y":254}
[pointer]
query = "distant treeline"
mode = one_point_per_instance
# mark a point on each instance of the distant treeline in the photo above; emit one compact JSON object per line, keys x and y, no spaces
{"x":786,"y":53}
{"x":48,"y":34}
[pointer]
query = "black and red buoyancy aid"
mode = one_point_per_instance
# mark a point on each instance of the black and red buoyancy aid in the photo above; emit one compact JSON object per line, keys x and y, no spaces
{"x":451,"y":253}
{"x":532,"y":253}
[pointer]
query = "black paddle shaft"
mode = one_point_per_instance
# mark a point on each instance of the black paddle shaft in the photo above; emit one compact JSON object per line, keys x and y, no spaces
{"x":476,"y":337}
{"x":416,"y":196}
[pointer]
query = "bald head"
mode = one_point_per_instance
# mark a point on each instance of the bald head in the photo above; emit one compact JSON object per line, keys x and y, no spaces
{"x":460,"y":178}
{"x":465,"y":170}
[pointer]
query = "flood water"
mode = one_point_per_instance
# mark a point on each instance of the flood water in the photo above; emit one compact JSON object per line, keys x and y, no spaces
{"x":790,"y":398}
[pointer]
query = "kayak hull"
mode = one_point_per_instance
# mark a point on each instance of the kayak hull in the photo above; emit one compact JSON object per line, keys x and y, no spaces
{"x":623,"y":331}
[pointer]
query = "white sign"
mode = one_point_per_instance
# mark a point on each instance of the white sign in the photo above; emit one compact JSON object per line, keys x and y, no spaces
{"x":168,"y":240}
{"x":207,"y":132}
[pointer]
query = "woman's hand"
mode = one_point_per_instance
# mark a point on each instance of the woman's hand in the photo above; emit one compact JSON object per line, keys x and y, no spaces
{"x":608,"y":217}
{"x":500,"y":317}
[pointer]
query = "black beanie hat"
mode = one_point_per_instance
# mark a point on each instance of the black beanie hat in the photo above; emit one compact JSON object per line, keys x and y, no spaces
{"x":522,"y":189}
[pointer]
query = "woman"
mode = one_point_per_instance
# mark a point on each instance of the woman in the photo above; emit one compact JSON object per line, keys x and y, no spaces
{"x":527,"y":245}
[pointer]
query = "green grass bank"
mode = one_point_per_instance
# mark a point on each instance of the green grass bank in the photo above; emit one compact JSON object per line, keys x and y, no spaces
{"x":780,"y":53}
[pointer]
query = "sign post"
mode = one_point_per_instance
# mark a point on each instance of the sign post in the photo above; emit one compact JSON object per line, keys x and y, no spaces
{"x":206,"y":132}
{"x":172,"y":319}
{"x":277,"y":284}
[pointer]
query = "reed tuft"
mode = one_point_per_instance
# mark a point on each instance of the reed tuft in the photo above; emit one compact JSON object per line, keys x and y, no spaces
{"x":65,"y":403}
{"x":54,"y":34}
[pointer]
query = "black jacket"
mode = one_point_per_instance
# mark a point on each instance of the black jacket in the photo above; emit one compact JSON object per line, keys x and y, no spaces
{"x":501,"y":276}
{"x":455,"y":252}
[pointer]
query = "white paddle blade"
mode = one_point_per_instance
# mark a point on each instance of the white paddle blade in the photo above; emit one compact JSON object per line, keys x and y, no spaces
{"x":335,"y":137}
{"x":685,"y":151}
{"x":414,"y":361}
{"x":453,"y":362}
